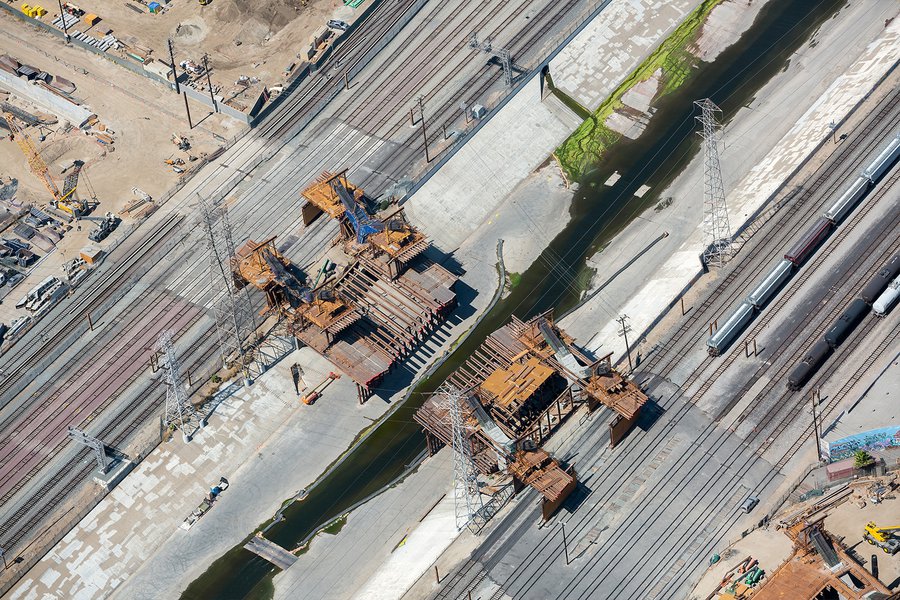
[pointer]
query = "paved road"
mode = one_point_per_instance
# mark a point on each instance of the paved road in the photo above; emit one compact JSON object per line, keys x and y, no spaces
{"x":650,"y":513}
{"x":158,"y":277}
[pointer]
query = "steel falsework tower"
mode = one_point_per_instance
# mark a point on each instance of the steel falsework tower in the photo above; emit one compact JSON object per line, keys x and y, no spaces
{"x":465,"y":476}
{"x":235,"y":320}
{"x":716,"y":228}
{"x":179,"y":411}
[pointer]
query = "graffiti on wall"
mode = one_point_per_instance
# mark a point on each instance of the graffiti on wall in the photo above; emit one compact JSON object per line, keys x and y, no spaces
{"x":870,"y":441}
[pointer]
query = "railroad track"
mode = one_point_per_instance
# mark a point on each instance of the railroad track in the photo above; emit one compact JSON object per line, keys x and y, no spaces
{"x":834,"y":401}
{"x":284,"y":122}
{"x":795,"y":284}
{"x":781,"y":231}
{"x":737,"y":462}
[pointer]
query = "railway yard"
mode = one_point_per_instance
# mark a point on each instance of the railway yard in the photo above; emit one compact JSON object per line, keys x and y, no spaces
{"x":295,"y":270}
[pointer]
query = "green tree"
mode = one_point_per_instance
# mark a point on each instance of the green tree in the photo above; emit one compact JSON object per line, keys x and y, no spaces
{"x":862,"y":459}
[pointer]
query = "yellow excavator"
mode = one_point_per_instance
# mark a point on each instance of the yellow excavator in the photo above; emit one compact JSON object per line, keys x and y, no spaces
{"x":883,"y":537}
{"x":64,"y":200}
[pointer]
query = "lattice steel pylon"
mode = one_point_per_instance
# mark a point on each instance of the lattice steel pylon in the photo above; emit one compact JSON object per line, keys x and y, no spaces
{"x":179,"y":411}
{"x":235,"y":319}
{"x":716,"y":228}
{"x":465,"y":476}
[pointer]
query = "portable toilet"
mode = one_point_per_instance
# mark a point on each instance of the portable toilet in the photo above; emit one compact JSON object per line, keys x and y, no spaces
{"x":154,"y":7}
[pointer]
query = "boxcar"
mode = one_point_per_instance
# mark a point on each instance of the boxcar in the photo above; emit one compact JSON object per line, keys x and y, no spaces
{"x":722,"y":338}
{"x":809,"y":241}
{"x":810,"y":363}
{"x":773,"y":281}
{"x":847,"y":322}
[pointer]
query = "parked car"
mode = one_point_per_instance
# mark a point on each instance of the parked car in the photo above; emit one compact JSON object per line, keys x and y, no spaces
{"x":749,"y":504}
{"x":339,"y":25}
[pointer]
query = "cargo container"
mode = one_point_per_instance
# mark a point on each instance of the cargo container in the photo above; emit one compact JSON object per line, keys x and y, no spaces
{"x":810,"y":363}
{"x":771,"y":284}
{"x":726,"y":334}
{"x":809,"y":241}
{"x":847,"y":322}
{"x":887,"y":299}
{"x":847,"y":201}
{"x":881,"y":280}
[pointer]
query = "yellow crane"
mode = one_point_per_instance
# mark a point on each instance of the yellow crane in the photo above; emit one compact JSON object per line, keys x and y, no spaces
{"x":883,"y":537}
{"x":64,"y":200}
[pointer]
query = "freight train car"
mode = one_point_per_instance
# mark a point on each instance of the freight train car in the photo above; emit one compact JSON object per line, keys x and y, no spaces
{"x":881,"y":280}
{"x":809,"y":241}
{"x":847,"y":322}
{"x":723,"y":338}
{"x":848,"y":200}
{"x":884,"y":160}
{"x":811,"y":362}
{"x":771,"y":284}
{"x":887,"y":299}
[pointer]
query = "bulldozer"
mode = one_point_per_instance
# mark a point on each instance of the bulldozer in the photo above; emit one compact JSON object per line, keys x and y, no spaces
{"x":883,"y":537}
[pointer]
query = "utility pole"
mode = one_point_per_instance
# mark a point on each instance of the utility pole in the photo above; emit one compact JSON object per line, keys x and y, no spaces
{"x":235,"y":319}
{"x":815,"y":394}
{"x":562,"y":525}
{"x":175,"y":72}
{"x":187,"y":109}
{"x":624,"y":334}
{"x":465,"y":476}
{"x":179,"y":411}
{"x":424,"y":130}
{"x":94,"y":444}
{"x":716,"y":227}
{"x":212,"y":96}
{"x":62,"y":16}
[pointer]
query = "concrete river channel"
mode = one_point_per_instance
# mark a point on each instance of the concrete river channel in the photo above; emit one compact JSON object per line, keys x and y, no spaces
{"x":555,"y":280}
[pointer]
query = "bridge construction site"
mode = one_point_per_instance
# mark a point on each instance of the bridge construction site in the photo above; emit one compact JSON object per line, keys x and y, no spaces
{"x":375,"y":297}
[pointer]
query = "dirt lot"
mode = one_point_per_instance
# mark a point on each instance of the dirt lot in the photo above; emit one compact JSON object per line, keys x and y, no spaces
{"x":848,"y":521}
{"x":136,"y":113}
{"x":257,"y":40}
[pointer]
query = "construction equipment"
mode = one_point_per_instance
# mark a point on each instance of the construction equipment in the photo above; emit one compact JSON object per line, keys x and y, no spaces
{"x":314,"y":395}
{"x":182,"y":143}
{"x":105,"y":226}
{"x":64,"y":200}
{"x":883,"y":537}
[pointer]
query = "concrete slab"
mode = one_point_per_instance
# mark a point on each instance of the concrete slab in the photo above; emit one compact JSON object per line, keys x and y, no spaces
{"x":645,"y":292}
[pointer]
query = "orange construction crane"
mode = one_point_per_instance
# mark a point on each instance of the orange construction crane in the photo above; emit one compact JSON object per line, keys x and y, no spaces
{"x":64,"y":200}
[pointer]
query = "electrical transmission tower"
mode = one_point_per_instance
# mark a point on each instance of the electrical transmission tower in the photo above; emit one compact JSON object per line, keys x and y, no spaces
{"x":716,"y":228}
{"x":502,"y":55}
{"x":465,"y":476}
{"x":94,"y":444}
{"x":235,"y":321}
{"x":179,"y":411}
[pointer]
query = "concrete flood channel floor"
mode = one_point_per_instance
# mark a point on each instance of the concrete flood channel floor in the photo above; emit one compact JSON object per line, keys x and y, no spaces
{"x":755,"y":59}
